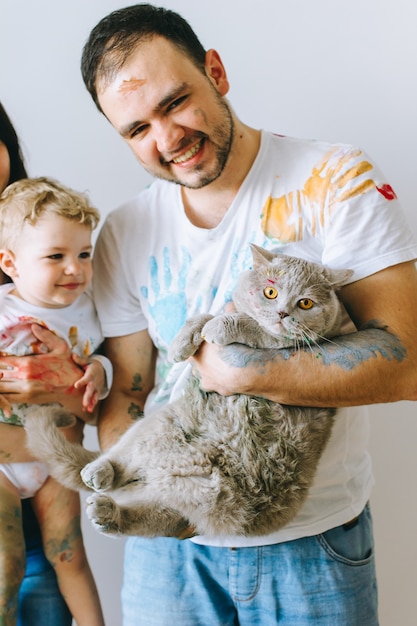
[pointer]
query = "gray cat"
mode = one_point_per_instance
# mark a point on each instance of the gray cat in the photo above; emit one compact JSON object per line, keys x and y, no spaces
{"x":235,"y":465}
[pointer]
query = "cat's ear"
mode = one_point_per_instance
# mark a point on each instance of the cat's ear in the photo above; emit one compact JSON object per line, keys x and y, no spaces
{"x":337,"y":278}
{"x":260,"y":256}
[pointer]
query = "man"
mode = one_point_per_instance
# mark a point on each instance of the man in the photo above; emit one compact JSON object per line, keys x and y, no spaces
{"x":176,"y":250}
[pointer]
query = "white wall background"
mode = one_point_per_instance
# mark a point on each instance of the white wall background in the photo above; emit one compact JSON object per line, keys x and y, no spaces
{"x":328,"y":69}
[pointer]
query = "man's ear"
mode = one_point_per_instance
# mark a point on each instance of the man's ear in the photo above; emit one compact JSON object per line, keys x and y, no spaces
{"x":216,"y":72}
{"x":7,"y":263}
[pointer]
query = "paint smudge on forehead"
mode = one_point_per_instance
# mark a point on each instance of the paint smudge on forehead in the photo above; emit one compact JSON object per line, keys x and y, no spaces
{"x":131,"y":84}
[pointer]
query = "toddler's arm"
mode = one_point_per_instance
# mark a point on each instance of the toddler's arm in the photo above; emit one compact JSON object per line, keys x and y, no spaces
{"x":96,"y":380}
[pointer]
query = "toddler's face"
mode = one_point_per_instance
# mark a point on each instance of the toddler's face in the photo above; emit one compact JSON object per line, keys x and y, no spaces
{"x":53,"y":261}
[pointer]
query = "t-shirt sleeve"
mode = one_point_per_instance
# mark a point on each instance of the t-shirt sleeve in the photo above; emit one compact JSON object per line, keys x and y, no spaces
{"x":365,"y":228}
{"x":116,"y":293}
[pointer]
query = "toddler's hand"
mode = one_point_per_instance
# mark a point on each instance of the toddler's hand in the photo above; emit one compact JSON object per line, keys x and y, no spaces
{"x":93,"y":381}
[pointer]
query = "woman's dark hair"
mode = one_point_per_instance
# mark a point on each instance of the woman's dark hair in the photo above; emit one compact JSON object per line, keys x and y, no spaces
{"x":117,"y":35}
{"x":10,"y":139}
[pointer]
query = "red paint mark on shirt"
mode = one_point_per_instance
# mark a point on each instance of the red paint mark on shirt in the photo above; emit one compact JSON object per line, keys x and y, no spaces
{"x":387,"y":191}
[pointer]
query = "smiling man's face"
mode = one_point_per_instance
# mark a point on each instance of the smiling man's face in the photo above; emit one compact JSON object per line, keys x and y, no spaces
{"x":173,"y":117}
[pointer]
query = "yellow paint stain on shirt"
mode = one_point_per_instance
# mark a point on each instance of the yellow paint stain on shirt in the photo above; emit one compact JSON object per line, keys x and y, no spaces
{"x":277,"y":214}
{"x":328,"y":186}
{"x":73,"y":336}
{"x":357,"y":191}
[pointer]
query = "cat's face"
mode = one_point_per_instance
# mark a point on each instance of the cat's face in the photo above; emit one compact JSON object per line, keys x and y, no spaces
{"x":289,"y":297}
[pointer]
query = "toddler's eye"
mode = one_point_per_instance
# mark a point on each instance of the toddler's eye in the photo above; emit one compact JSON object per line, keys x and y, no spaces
{"x":305,"y":304}
{"x":270,"y":293}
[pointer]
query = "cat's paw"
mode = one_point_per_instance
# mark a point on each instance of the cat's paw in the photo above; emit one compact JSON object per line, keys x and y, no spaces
{"x":217,"y":330}
{"x":102,"y":511}
{"x":98,"y":475}
{"x":188,"y":340}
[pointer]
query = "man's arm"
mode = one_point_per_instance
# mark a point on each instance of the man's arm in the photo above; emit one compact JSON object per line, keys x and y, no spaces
{"x":376,"y":364}
{"x":133,"y":358}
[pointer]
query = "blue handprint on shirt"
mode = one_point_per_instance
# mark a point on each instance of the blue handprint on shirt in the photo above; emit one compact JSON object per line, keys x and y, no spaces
{"x":169,"y":307}
{"x":240,"y":260}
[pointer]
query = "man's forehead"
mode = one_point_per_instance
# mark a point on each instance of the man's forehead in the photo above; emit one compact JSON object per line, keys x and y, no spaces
{"x":130,"y":84}
{"x":149,"y":57}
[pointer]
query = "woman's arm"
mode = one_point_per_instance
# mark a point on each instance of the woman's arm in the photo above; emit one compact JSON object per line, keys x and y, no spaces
{"x":13,"y":442}
{"x":46,"y":377}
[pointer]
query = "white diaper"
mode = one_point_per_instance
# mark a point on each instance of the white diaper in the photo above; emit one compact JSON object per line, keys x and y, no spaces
{"x":28,"y":478}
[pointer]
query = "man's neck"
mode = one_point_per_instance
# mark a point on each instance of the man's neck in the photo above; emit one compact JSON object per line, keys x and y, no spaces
{"x":207,"y":206}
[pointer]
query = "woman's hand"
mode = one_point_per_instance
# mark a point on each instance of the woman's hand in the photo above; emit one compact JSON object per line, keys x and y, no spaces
{"x":45,"y":377}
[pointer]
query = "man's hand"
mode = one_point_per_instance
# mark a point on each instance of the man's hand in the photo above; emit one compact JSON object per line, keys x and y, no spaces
{"x":41,"y":378}
{"x":217,"y":372}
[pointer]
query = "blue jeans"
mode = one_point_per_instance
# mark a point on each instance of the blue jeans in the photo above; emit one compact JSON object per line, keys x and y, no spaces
{"x":326,"y":580}
{"x":40,"y":601}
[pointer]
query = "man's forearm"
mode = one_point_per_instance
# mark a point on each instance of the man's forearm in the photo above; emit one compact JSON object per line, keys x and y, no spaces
{"x":116,"y":414}
{"x":365,"y":367}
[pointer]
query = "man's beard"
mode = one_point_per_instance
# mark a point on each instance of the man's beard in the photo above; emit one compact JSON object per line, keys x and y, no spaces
{"x":221,"y":139}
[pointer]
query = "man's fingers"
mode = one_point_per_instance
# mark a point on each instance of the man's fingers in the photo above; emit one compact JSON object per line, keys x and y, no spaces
{"x":230,"y":307}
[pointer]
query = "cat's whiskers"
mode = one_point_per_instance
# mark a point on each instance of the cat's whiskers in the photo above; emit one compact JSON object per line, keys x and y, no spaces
{"x":307,"y":338}
{"x":314,"y":340}
{"x":326,"y":339}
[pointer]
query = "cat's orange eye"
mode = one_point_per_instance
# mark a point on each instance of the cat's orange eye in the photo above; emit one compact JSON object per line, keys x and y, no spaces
{"x":270,"y":293}
{"x":305,"y":304}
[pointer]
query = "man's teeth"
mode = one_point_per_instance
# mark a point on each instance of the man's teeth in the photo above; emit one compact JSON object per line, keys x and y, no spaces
{"x":187,"y":155}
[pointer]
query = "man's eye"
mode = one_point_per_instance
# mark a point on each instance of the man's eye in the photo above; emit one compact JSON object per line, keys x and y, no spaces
{"x":177,"y":103}
{"x":138,"y":131}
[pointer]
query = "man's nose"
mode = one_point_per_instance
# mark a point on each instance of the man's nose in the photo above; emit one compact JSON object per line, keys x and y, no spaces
{"x":168,"y":136}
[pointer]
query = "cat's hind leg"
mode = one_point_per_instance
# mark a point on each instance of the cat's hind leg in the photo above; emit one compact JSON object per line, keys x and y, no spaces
{"x":145,"y":520}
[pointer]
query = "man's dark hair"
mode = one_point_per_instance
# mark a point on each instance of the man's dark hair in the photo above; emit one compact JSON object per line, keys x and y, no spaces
{"x":117,"y":35}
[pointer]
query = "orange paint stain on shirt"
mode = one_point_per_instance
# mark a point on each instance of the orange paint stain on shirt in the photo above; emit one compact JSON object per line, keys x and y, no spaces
{"x":278,"y":218}
{"x":330,"y":184}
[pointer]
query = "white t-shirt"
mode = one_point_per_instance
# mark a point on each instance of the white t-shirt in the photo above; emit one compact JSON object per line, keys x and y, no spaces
{"x":154,"y":269}
{"x":77,"y":323}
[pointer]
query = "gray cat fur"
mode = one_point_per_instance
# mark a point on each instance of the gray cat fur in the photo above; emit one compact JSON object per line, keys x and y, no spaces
{"x":235,"y":465}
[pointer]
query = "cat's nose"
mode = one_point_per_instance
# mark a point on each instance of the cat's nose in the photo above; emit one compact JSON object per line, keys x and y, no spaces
{"x":282,"y":314}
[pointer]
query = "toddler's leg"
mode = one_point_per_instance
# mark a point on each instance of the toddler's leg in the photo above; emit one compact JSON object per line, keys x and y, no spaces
{"x":12,"y":551}
{"x":58,"y":511}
